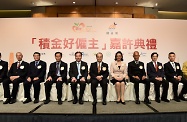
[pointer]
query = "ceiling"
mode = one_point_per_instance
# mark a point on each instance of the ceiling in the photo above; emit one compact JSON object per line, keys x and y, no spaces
{"x":163,"y":5}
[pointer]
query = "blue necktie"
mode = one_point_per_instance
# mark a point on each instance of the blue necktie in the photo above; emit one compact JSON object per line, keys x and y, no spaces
{"x":57,"y":69}
{"x":78,"y":67}
{"x":36,"y":63}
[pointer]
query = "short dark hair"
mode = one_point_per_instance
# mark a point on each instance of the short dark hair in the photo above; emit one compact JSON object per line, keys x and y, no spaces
{"x":171,"y":53}
{"x":78,"y":52}
{"x":119,"y":52}
{"x":153,"y":54}
{"x":37,"y":53}
{"x":58,"y":53}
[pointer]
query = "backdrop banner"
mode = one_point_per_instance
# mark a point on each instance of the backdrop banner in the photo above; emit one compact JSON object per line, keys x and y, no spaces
{"x":92,"y":35}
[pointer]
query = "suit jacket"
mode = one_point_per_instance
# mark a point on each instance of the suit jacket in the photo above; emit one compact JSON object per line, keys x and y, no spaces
{"x":37,"y":71}
{"x":22,"y":71}
{"x":136,"y":69}
{"x":63,"y":70}
{"x":94,"y":70}
{"x":3,"y":69}
{"x":73,"y":70}
{"x":184,"y":69}
{"x":115,"y":71}
{"x":170,"y":72}
{"x":151,"y":71}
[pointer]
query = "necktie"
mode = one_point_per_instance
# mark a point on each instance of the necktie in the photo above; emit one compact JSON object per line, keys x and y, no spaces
{"x":156,"y":66}
{"x":36,"y":63}
{"x":78,"y":67}
{"x":173,"y":64}
{"x":99,"y":67}
{"x":18,"y":65}
{"x":57,"y":69}
{"x":136,"y":62}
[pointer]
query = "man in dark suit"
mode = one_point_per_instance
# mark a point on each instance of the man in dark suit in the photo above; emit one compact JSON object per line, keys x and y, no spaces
{"x":57,"y":74}
{"x":99,"y":74}
{"x":174,"y":75}
{"x":155,"y":71}
{"x":36,"y":75}
{"x":137,"y":75}
{"x":17,"y":74}
{"x":78,"y":73}
{"x":3,"y":69}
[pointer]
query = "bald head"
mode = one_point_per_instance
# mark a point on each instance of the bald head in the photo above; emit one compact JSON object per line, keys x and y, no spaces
{"x":19,"y":56}
{"x":136,"y":55}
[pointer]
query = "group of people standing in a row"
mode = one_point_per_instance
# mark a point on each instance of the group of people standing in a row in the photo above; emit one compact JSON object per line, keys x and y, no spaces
{"x":34,"y":73}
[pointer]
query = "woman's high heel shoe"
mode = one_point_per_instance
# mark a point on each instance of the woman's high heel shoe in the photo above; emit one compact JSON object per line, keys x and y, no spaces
{"x":123,"y":103}
{"x":118,"y":102}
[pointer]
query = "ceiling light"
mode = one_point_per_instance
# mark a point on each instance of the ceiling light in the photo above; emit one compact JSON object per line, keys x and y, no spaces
{"x":73,"y":2}
{"x":156,"y":4}
{"x":43,"y":3}
{"x":116,"y":3}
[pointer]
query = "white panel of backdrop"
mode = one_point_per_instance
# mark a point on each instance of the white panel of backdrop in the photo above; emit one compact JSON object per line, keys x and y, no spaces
{"x":92,"y":35}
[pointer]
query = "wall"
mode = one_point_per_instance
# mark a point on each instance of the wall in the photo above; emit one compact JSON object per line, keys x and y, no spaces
{"x":95,"y":11}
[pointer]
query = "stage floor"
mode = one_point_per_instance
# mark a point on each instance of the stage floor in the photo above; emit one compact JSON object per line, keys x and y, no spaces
{"x":88,"y":108}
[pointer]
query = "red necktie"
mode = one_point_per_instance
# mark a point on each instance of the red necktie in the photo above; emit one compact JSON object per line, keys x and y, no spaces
{"x":156,"y":67}
{"x":18,"y":64}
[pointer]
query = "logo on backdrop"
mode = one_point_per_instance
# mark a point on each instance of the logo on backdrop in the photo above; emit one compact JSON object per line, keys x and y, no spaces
{"x":83,"y":54}
{"x":141,"y":54}
{"x":81,"y":27}
{"x":107,"y":54}
{"x":112,"y":29}
{"x":92,"y":43}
